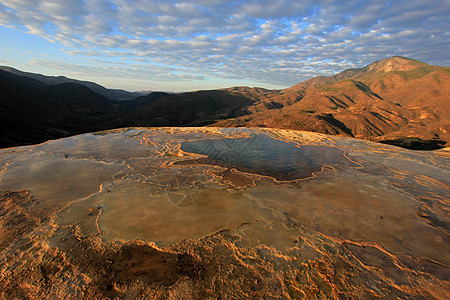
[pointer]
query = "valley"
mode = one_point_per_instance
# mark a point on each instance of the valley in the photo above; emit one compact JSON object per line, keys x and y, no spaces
{"x":397,"y":100}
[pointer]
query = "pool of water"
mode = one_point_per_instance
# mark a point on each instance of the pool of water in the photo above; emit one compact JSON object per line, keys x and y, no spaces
{"x":263,"y":155}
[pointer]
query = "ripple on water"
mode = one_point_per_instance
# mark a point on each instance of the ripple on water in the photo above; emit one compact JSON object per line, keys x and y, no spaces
{"x":263,"y":155}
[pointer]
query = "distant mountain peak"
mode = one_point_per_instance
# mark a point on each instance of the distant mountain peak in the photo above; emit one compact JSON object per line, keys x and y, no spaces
{"x":395,"y":63}
{"x":113,"y":94}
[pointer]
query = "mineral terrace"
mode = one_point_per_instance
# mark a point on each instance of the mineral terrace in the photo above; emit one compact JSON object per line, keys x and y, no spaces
{"x":220,"y":213}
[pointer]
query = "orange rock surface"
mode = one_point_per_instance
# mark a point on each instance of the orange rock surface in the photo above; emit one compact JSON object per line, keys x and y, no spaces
{"x":209,"y":213}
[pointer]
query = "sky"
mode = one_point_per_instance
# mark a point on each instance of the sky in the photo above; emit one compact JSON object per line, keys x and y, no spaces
{"x":207,"y":44}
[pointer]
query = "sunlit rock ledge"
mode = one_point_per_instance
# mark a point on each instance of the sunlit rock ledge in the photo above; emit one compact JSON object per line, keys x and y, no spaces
{"x":203,"y":212}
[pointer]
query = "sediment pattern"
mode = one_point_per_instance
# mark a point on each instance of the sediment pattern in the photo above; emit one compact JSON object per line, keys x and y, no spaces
{"x":199,"y":213}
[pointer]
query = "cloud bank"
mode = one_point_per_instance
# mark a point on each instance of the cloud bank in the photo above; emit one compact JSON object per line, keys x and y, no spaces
{"x":278,"y":42}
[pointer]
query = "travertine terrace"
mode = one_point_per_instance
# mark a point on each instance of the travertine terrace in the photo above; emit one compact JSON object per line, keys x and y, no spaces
{"x":223,"y":213}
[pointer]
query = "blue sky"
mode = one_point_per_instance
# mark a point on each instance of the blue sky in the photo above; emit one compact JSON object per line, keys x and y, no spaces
{"x":204,"y":44}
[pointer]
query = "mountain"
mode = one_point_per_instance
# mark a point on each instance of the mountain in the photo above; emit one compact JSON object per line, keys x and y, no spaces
{"x":395,"y":100}
{"x":185,"y":109}
{"x":33,"y":112}
{"x":395,"y":63}
{"x":114,"y":94}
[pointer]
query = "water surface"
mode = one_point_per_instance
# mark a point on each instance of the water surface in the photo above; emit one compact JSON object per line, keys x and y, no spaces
{"x":267,"y":156}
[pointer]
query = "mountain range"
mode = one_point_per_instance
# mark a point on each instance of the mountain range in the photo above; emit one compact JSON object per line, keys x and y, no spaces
{"x":113,"y":94}
{"x":397,"y":100}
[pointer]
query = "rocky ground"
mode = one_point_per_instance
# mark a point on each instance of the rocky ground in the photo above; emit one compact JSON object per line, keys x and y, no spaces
{"x":129,"y":214}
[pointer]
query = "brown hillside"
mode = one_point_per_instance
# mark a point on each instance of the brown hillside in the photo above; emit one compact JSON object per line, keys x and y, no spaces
{"x":394,"y":98}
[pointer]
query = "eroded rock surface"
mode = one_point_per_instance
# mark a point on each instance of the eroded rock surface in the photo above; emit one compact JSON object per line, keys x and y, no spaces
{"x":223,"y":213}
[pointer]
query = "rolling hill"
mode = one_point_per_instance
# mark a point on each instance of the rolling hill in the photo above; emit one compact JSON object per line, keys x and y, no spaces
{"x":33,"y":112}
{"x":114,"y":94}
{"x":396,"y":100}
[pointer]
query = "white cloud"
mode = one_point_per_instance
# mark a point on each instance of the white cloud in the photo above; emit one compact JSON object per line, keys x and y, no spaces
{"x":267,"y":41}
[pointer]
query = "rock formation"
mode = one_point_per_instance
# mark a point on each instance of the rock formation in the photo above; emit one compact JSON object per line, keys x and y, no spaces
{"x":223,"y":213}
